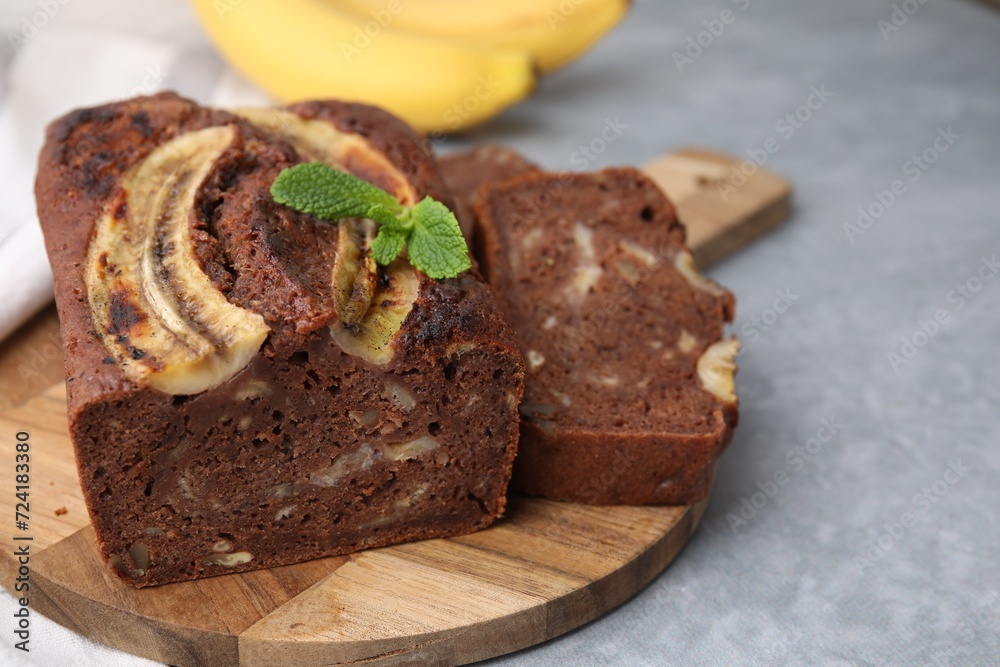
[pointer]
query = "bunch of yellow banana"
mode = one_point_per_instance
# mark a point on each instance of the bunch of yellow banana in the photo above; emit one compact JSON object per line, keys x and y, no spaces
{"x":442,"y":65}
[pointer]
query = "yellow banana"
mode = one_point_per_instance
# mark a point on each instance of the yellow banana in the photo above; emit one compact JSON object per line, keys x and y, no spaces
{"x":554,"y":31}
{"x":160,"y":317}
{"x":308,"y":49}
{"x":371,"y":336}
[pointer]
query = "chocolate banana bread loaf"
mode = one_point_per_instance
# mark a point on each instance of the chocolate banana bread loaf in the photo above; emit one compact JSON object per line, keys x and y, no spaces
{"x":246,"y":387}
{"x":629,"y":387}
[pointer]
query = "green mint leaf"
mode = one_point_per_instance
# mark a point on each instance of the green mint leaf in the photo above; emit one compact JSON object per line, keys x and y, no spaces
{"x":381,"y":215}
{"x":436,"y":245}
{"x":429,"y":230}
{"x":330,"y":194}
{"x":388,"y":244}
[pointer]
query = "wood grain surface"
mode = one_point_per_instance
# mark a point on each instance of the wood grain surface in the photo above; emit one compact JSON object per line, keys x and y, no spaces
{"x":722,"y":207}
{"x":31,"y":359}
{"x":543,"y":570}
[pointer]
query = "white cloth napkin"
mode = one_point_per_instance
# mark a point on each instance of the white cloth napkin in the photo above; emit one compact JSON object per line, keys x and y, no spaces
{"x":25,"y":278}
{"x":56,"y":56}
{"x":51,"y":645}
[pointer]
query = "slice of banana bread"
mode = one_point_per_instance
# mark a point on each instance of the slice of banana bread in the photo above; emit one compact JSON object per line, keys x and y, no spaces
{"x":246,"y":387}
{"x":629,"y":388}
{"x":465,"y":171}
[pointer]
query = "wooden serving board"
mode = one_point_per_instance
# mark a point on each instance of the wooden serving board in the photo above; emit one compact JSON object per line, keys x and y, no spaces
{"x":543,"y":570}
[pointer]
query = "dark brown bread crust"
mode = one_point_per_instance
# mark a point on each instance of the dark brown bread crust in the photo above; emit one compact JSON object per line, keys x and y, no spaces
{"x":413,"y":156}
{"x":614,"y":412}
{"x":466,"y":171}
{"x":84,"y":156}
{"x":167,"y":477}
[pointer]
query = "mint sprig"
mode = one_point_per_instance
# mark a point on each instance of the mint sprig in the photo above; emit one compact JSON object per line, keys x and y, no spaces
{"x":428,"y":230}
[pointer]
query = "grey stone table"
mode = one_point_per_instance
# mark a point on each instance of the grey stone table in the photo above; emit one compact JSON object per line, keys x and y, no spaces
{"x":881,"y":543}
